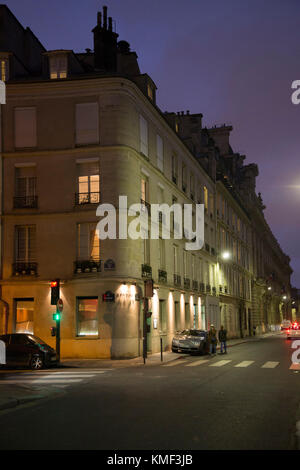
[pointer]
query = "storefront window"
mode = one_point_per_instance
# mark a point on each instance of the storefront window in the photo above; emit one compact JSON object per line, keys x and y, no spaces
{"x":87,"y":316}
{"x":24,"y":316}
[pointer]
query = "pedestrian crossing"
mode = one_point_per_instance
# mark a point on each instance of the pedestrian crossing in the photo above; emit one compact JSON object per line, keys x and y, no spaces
{"x":57,"y":379}
{"x":228,"y":362}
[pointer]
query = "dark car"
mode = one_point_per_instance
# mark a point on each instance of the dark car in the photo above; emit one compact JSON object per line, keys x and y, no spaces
{"x":24,"y":349}
{"x":191,"y":341}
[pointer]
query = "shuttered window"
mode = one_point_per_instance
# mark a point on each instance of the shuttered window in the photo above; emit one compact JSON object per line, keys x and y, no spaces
{"x":25,"y":243}
{"x":88,"y":182}
{"x":143,"y":136}
{"x":25,"y":127}
{"x":25,"y":181}
{"x":87,"y":123}
{"x":160,"y":153}
{"x":88,"y":242}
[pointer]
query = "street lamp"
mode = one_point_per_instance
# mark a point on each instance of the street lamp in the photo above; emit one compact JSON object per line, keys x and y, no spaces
{"x":225,"y":255}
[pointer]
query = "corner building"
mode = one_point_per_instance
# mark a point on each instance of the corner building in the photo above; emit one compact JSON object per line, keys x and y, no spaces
{"x":82,"y":129}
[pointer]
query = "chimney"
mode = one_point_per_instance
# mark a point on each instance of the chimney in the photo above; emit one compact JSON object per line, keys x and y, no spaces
{"x":105,"y":44}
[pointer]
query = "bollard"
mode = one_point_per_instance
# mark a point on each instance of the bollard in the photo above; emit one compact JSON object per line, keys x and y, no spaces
{"x":161,"y":349}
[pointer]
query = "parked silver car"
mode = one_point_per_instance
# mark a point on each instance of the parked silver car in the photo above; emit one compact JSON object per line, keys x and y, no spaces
{"x":190,"y":341}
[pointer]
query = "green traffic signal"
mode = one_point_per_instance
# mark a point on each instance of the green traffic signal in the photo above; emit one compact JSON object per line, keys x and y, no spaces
{"x":56,"y":316}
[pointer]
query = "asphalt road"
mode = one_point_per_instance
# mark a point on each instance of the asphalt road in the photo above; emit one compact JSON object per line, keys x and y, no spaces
{"x":191,"y":403}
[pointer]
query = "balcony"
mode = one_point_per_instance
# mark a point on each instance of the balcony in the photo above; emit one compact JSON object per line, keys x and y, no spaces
{"x":208,"y":288}
{"x":202,"y":287}
{"x":186,"y":283}
{"x":146,"y":271}
{"x":214,"y":291}
{"x":25,"y":202}
{"x":87,"y":198}
{"x":25,"y":269}
{"x":195,"y":285}
{"x":177,"y":280}
{"x":162,"y":276}
{"x":87,"y":266}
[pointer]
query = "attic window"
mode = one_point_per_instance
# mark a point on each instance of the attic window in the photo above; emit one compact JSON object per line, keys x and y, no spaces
{"x":58,"y":66}
{"x":150,"y":92}
{"x":4,"y":69}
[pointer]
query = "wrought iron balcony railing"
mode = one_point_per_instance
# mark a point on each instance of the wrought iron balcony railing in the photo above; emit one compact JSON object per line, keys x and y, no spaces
{"x":25,"y":202}
{"x":195,"y":285}
{"x":24,"y":269}
{"x":87,"y":266}
{"x":146,"y":271}
{"x":87,"y":198}
{"x":162,"y":276}
{"x":186,"y":283}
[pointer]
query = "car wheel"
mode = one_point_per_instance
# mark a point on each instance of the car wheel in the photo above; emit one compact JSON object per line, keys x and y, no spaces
{"x":36,"y":362}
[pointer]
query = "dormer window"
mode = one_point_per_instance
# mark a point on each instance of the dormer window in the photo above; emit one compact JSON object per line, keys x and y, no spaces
{"x":58,"y":65}
{"x":4,"y":69}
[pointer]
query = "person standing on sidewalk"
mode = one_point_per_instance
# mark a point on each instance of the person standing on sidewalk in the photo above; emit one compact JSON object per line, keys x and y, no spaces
{"x":212,"y":339}
{"x":223,"y":340}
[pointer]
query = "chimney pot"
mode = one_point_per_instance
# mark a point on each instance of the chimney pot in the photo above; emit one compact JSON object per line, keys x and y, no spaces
{"x":99,"y":18}
{"x":105,"y":17}
{"x":110,"y":23}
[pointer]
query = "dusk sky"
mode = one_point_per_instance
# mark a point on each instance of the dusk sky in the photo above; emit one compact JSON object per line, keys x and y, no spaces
{"x":232,"y":60}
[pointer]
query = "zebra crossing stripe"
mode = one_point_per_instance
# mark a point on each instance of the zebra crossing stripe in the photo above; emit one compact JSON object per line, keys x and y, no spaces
{"x":197,"y":363}
{"x":219,"y":363}
{"x":40,"y":381}
{"x":244,"y":364}
{"x":269,"y":365}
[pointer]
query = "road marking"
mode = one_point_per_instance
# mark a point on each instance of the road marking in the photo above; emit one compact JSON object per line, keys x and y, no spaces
{"x":197,"y":363}
{"x":295,"y":366}
{"x":41,"y":377}
{"x":50,"y":381}
{"x":176,"y":363}
{"x":270,"y":365}
{"x":244,"y":364}
{"x":219,"y":363}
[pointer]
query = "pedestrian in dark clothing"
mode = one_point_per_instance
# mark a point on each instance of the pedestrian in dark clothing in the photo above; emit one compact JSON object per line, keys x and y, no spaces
{"x":223,"y":340}
{"x":212,"y":339}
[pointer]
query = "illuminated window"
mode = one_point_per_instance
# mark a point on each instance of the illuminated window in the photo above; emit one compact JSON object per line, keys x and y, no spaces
{"x":58,"y":65}
{"x":205,"y":191}
{"x":150,"y":92}
{"x":88,"y":246}
{"x":87,"y":316}
{"x":4,"y":70}
{"x":24,"y":309}
{"x":88,"y":183}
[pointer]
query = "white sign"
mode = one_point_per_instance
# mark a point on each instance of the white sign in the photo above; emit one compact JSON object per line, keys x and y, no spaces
{"x":2,"y":352}
{"x":2,"y":93}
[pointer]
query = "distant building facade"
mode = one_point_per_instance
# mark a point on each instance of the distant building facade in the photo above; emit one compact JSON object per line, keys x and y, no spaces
{"x":82,"y":129}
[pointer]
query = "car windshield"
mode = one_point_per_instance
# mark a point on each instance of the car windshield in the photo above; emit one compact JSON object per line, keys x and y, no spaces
{"x":35,"y":339}
{"x":197,"y":333}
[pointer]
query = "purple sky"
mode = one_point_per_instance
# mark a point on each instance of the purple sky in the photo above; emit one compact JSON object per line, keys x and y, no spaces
{"x":232,"y":60}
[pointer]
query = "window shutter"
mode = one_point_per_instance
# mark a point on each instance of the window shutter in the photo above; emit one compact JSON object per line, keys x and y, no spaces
{"x":25,"y":128}
{"x":143,"y":136}
{"x":87,"y":123}
{"x":160,"y":152}
{"x":31,"y":244}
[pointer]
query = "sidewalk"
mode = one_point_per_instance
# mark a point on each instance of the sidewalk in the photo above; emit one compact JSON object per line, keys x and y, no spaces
{"x":13,"y":395}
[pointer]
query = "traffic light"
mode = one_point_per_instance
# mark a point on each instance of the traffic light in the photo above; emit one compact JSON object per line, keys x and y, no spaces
{"x":56,"y":316}
{"x":53,"y":331}
{"x":54,"y":292}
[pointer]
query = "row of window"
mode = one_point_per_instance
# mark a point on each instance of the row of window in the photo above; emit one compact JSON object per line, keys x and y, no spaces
{"x":188,"y":183}
{"x":88,"y":184}
{"x":86,"y":125}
